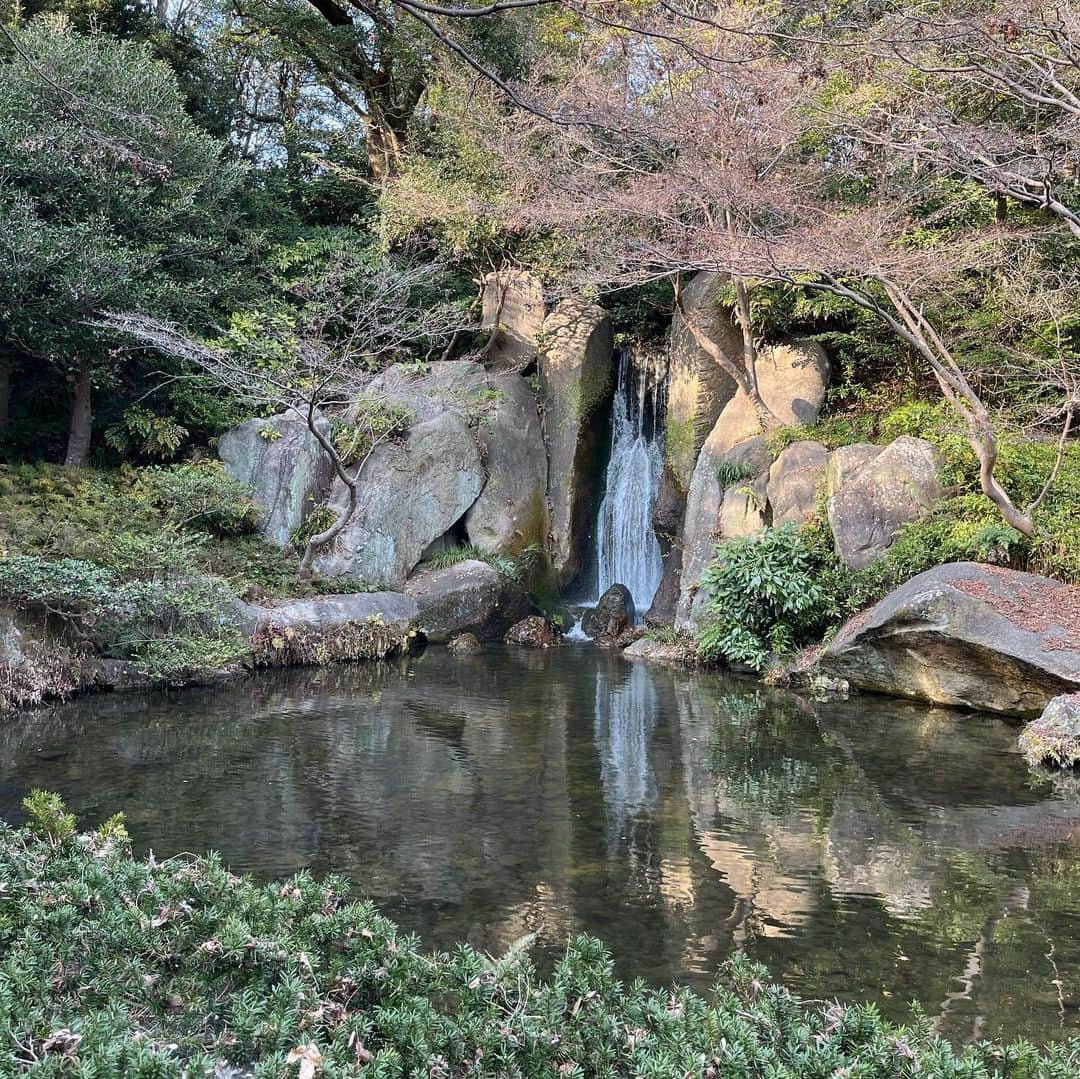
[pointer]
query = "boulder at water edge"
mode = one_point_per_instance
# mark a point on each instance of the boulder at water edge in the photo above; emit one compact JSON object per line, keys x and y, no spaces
{"x":287,"y":470}
{"x":409,"y":494}
{"x":470,"y":597}
{"x":613,"y":613}
{"x":533,"y":632}
{"x":576,"y":384}
{"x":1054,"y":738}
{"x":969,"y":635}
{"x":898,"y":485}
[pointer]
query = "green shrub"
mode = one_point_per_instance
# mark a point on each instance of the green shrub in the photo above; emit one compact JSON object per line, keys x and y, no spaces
{"x":728,"y":473}
{"x":512,"y":568}
{"x":120,"y":967}
{"x":200,"y":495}
{"x":763,"y":597}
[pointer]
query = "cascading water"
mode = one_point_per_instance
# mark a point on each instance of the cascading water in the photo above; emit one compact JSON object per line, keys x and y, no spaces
{"x":627,"y":549}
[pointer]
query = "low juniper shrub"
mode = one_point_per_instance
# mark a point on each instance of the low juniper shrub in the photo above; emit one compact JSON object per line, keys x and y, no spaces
{"x":113,"y":966}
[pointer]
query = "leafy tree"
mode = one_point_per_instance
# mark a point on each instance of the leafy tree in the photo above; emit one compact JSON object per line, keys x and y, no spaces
{"x":111,"y":196}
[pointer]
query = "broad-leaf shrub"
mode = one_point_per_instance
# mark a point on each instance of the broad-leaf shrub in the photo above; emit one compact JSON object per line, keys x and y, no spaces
{"x":110,"y":966}
{"x":763,"y":597}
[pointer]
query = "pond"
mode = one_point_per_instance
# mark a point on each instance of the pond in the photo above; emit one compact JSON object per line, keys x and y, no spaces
{"x":868,"y":849}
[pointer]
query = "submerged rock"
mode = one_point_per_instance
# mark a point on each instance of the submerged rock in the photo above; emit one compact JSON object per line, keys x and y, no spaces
{"x":470,"y":597}
{"x":464,"y":644}
{"x":533,"y":632}
{"x":900,"y":484}
{"x":287,"y":470}
{"x":612,"y":615}
{"x":1054,"y":738}
{"x":969,"y":635}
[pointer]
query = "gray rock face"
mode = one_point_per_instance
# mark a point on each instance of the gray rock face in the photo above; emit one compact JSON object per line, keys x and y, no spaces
{"x":613,"y":613}
{"x":698,"y":388}
{"x":969,"y":635}
{"x":464,"y":644}
{"x":410,"y":493}
{"x":511,"y":512}
{"x":513,"y":306}
{"x":398,"y":611}
{"x":792,"y":378}
{"x":576,"y":384}
{"x":667,"y":655}
{"x":793,"y":482}
{"x":283,"y":464}
{"x":456,"y":384}
{"x":899,"y":485}
{"x":845,"y":461}
{"x":470,"y":597}
{"x":533,"y":632}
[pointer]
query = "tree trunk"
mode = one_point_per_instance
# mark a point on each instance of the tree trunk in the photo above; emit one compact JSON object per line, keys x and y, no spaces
{"x":82,"y":419}
{"x":5,"y":395}
{"x":383,"y":150}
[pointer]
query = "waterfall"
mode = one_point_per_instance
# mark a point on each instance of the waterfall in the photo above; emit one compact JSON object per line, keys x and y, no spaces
{"x":627,"y":549}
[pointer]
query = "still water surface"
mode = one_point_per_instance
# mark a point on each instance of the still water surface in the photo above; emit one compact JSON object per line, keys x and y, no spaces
{"x":867,"y":849}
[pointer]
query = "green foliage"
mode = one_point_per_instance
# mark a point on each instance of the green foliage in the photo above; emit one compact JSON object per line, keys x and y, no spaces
{"x":730,"y":472}
{"x":763,"y":597}
{"x":200,"y":495}
{"x":222,"y":975}
{"x":48,"y":819}
{"x":372,"y":422}
{"x":513,"y":568}
{"x":172,"y":628}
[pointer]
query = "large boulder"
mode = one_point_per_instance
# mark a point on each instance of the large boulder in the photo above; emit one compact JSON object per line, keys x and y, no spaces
{"x":534,"y":632}
{"x":698,"y":387}
{"x":395,"y":609}
{"x":287,"y":470}
{"x":845,"y":461}
{"x":409,"y":494}
{"x":794,"y":480}
{"x":576,"y":385}
{"x":469,"y":597}
{"x":898,"y":485}
{"x":513,"y":309}
{"x":613,"y":613}
{"x":792,"y":378}
{"x":969,"y":635}
{"x":428,"y":391}
{"x":511,"y":513}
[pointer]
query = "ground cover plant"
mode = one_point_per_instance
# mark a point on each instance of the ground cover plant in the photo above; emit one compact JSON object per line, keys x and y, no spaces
{"x":113,"y":965}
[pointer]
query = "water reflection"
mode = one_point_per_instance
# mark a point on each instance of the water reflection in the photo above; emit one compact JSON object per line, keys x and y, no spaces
{"x":867,"y":849}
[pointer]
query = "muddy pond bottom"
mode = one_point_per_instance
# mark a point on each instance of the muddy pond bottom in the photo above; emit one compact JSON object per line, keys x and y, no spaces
{"x":863,"y":850}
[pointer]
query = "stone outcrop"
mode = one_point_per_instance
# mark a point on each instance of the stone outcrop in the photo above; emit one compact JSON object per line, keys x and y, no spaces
{"x":576,"y":384}
{"x":665,"y":653}
{"x":845,"y":461}
{"x":285,"y":467}
{"x":409,"y":494}
{"x":898,"y":485}
{"x":969,"y":635}
{"x":511,"y":512}
{"x":455,"y":385}
{"x":533,"y":632}
{"x":613,"y":613}
{"x":698,"y":388}
{"x":1054,"y":738}
{"x":794,"y":480}
{"x":396,"y":610}
{"x":513,"y":308}
{"x":464,"y":644}
{"x":469,"y":597}
{"x":792,"y":378}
